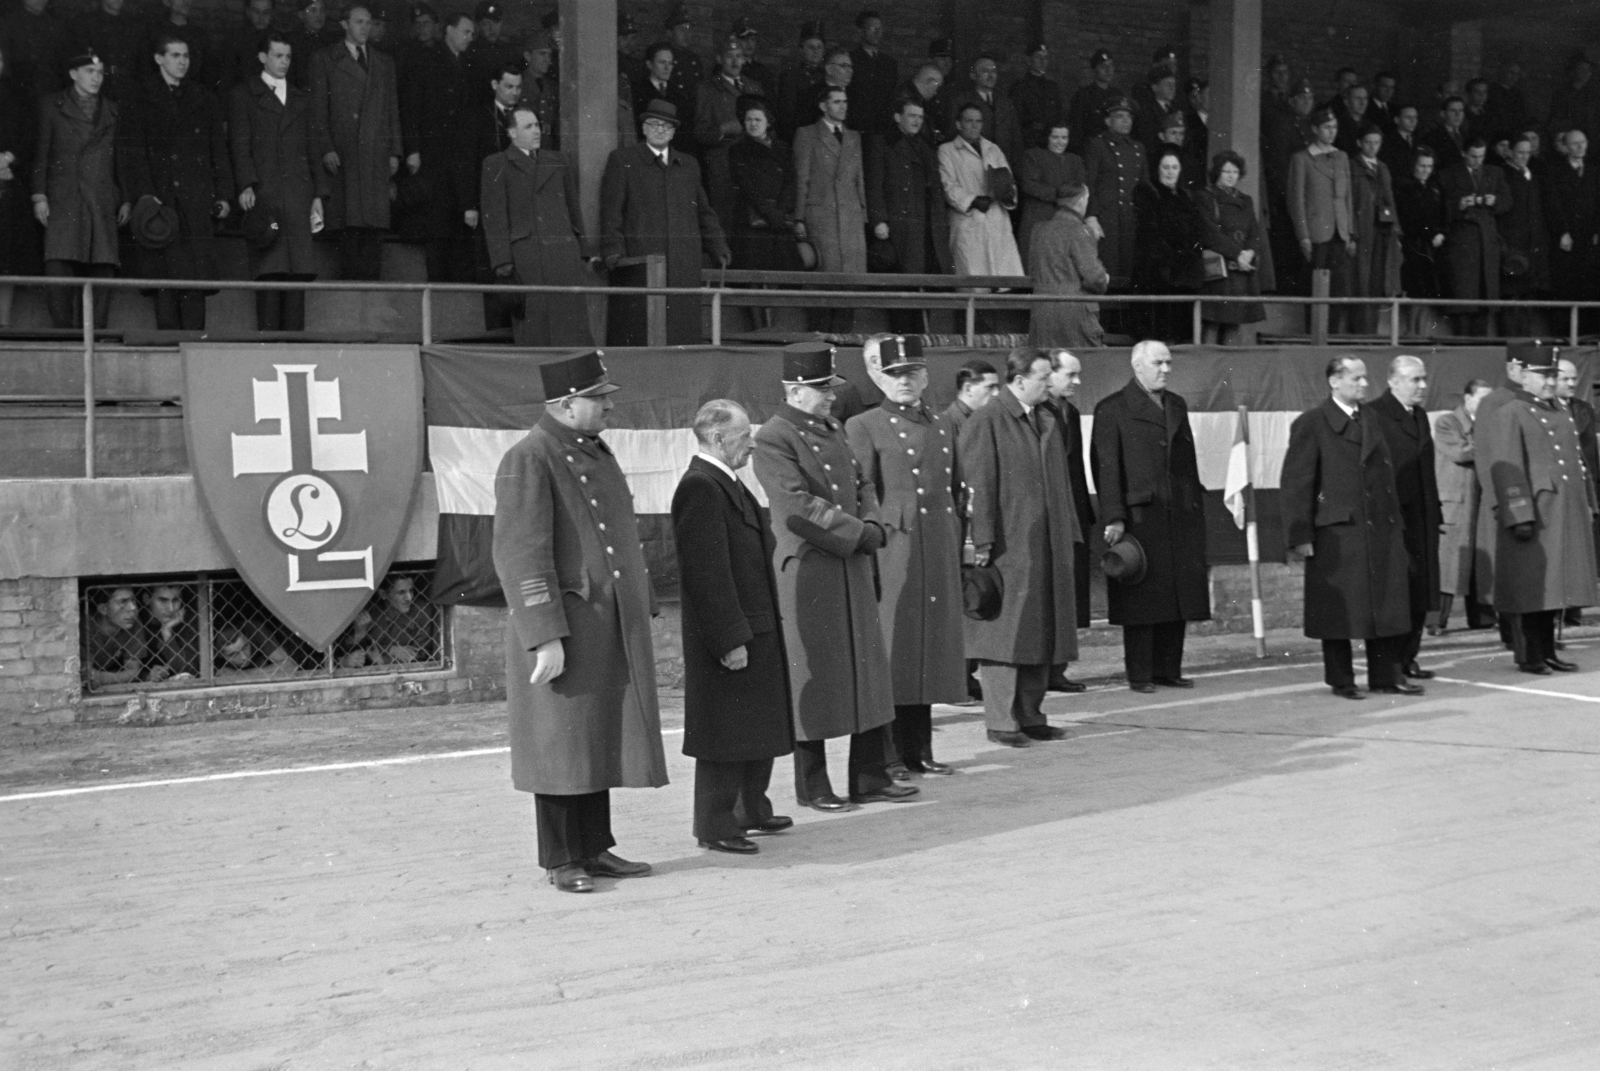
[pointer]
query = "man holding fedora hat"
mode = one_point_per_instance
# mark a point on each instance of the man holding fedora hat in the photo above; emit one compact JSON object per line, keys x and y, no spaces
{"x":825,"y":516}
{"x":907,"y":453}
{"x":1014,"y":464}
{"x":651,"y":201}
{"x":580,"y":671}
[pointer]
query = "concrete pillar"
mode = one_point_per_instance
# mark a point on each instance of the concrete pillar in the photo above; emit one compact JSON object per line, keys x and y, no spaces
{"x":589,"y":95}
{"x":1235,"y":66}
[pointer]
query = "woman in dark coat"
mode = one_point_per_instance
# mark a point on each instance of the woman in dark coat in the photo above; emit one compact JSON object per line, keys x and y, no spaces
{"x":1170,"y":236}
{"x":76,"y":195}
{"x":19,"y":236}
{"x":534,"y":229}
{"x":1420,"y":205}
{"x":1232,"y":229}
{"x":763,"y":187}
{"x":1046,"y":173}
{"x":275,"y":171}
{"x":1375,"y":224}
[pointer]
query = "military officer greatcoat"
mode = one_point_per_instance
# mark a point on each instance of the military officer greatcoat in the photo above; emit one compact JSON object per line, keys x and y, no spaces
{"x":566,"y":548}
{"x":821,"y":503}
{"x":908,"y":456}
{"x":1115,"y":164}
{"x":1530,"y":450}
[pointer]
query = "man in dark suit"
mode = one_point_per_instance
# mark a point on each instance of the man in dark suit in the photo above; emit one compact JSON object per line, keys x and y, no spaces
{"x":1037,"y":97}
{"x":1341,"y":511}
{"x":1450,"y":138}
{"x":1400,"y":145}
{"x":1572,"y":214}
{"x":905,"y":203}
{"x":799,"y":83}
{"x":1066,"y":374}
{"x":112,"y":32}
{"x":1148,"y":481}
{"x":999,"y":113}
{"x":488,"y":135}
{"x":655,"y":80}
{"x":1474,"y":197}
{"x":1400,"y":416}
{"x":736,"y":706}
{"x":651,"y":201}
{"x":873,"y":81}
{"x":1583,"y":418}
{"x":436,"y":109}
{"x":977,"y":384}
{"x":1087,"y":114}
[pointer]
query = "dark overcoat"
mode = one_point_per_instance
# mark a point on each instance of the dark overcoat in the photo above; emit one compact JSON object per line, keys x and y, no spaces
{"x":1115,"y":165}
{"x":646,"y":208}
{"x":75,"y":167}
{"x":1070,"y":421}
{"x":1572,"y":207}
{"x":763,"y":216}
{"x":1487,"y":538}
{"x":904,"y":191}
{"x":1377,"y":267}
{"x":1538,"y":475}
{"x":272,"y":153}
{"x":1338,"y":493}
{"x":730,"y":600}
{"x":355,"y":113}
{"x":1420,"y":207}
{"x":821,"y":502}
{"x":1409,"y":435}
{"x":1457,"y":479}
{"x":1017,"y":481}
{"x":19,"y":234}
{"x":1064,"y":260}
{"x":1522,"y":230}
{"x":1472,"y":241}
{"x":1231,"y":227}
{"x":1043,"y":176}
{"x":908,"y":456}
{"x":438,"y":106}
{"x":1147,"y":477}
{"x":1170,"y":235}
{"x":532,"y":221}
{"x":566,"y":548}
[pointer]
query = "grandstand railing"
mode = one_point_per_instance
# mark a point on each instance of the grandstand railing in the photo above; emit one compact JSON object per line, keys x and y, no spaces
{"x":968,"y":294}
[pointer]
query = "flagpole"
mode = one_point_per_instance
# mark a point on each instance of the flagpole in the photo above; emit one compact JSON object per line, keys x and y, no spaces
{"x":1252,"y":541}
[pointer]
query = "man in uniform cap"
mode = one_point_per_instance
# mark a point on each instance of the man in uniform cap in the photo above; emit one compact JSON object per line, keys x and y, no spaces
{"x":541,"y":88}
{"x":825,"y":516}
{"x":314,"y":33}
{"x":873,"y":80}
{"x":490,"y":49}
{"x":1531,"y":462}
{"x":799,"y":82}
{"x":580,"y":671}
{"x":688,"y":69}
{"x":1114,"y":165}
{"x":907,"y":453}
{"x":749,"y":38}
{"x":1086,"y":114}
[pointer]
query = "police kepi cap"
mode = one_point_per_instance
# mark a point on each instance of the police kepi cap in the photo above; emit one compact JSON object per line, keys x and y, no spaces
{"x":1118,"y":104}
{"x":153,"y":224}
{"x":901,"y":354}
{"x":1100,"y":56}
{"x":1124,"y":561}
{"x":580,"y":376}
{"x":488,"y":9}
{"x":809,"y":364}
{"x":1532,"y":353}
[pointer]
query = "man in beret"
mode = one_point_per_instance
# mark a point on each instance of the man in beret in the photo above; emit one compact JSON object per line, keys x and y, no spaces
{"x":825,"y":516}
{"x":580,"y":671}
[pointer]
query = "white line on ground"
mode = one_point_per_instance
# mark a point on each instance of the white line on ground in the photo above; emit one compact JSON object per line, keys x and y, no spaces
{"x":1525,"y":691}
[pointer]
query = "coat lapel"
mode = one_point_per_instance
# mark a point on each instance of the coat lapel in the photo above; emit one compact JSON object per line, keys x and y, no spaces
{"x":739,"y":496}
{"x":1142,"y":406}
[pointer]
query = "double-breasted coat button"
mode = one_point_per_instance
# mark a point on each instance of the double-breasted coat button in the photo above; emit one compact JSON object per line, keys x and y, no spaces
{"x":616,"y":572}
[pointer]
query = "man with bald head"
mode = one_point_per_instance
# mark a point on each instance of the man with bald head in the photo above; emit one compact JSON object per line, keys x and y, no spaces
{"x":1405,"y":426}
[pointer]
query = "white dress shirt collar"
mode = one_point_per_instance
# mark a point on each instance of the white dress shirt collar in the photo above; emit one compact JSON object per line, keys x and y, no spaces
{"x":279,"y":87}
{"x":717,"y":461}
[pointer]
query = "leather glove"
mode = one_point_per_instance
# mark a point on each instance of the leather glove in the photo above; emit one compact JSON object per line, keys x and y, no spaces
{"x":872,"y":539}
{"x":505,"y":272}
{"x":982,"y":203}
{"x":1523,"y":531}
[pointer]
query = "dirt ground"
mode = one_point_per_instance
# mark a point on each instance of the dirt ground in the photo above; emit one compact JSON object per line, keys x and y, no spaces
{"x":1251,"y":875}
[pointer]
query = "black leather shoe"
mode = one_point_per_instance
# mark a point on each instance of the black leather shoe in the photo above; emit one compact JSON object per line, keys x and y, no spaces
{"x":1059,"y":683}
{"x":1399,"y":689}
{"x":899,"y":772}
{"x":828,"y":804}
{"x":1044,"y":732}
{"x":1561,"y":665}
{"x":1173,"y":682}
{"x":1009,"y":739}
{"x":974,"y":690}
{"x":776,"y":824}
{"x":939,"y":768}
{"x":1142,"y":687}
{"x":607,"y":865}
{"x":1538,"y":669}
{"x":1349,"y":691}
{"x":571,"y":878}
{"x":888,"y":794}
{"x":732,"y":845}
{"x":1417,"y":673}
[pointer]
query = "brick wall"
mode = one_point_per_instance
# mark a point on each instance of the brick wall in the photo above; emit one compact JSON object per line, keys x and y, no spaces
{"x":38,"y":648}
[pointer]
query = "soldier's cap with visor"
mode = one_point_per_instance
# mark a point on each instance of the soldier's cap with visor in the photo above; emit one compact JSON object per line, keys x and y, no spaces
{"x":490,"y":10}
{"x":815,"y":28}
{"x":1100,"y":56}
{"x":1117,"y":104}
{"x":1533,"y":354}
{"x":583,"y":375}
{"x":942,"y":48}
{"x":423,"y":11}
{"x":810,"y":364}
{"x":900,"y":354}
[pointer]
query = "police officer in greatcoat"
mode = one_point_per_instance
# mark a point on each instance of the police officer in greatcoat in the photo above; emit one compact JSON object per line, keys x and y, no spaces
{"x":580,"y":670}
{"x":826,"y":520}
{"x":1544,"y":507}
{"x":907,"y":452}
{"x":1115,"y":164}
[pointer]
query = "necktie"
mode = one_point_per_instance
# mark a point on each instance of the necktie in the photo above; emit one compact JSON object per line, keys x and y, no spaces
{"x":838,"y":135}
{"x":361,"y":56}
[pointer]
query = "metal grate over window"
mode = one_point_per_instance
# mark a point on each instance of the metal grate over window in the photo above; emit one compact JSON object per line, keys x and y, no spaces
{"x":209,"y":630}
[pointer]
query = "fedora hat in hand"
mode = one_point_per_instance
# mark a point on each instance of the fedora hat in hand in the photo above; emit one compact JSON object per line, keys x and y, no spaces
{"x":153,"y":224}
{"x":982,"y":591}
{"x":1124,"y":561}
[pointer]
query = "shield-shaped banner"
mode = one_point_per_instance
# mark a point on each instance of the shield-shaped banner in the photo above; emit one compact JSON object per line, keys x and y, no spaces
{"x":307,"y":459}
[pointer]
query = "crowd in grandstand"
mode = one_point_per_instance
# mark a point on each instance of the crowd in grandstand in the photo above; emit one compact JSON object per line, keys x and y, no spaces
{"x":131,"y":144}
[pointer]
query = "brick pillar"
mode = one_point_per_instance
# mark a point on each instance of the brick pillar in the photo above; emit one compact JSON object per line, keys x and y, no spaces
{"x":38,"y":649}
{"x":1234,"y":61}
{"x":589,"y":95}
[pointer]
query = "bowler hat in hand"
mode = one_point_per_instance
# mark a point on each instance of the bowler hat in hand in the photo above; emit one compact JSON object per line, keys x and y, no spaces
{"x":982,"y":591}
{"x":153,"y":224}
{"x":1124,"y":561}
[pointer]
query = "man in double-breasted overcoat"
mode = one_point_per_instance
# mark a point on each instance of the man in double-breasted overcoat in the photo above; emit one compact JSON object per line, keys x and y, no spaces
{"x":580,"y":672}
{"x":1474,"y":196}
{"x":355,"y":132}
{"x":1518,"y":354}
{"x":825,"y":518}
{"x":907,"y":453}
{"x":1014,"y":465}
{"x":438,"y":102}
{"x":1455,"y":472}
{"x":1148,"y":480}
{"x":1406,"y":428}
{"x":736,"y":711}
{"x":831,"y":187}
{"x":1115,"y":164}
{"x":905,"y":197}
{"x":1544,"y":505}
{"x":1342,"y":514}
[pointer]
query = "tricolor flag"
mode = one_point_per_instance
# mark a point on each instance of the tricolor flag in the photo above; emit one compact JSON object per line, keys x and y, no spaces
{"x":1236,"y":487}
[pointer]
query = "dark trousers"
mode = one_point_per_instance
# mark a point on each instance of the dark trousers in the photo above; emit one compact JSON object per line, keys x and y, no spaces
{"x":1150,"y":651}
{"x":869,"y":759}
{"x":913,"y":733}
{"x":66,"y":304}
{"x":572,"y":828}
{"x":180,"y":310}
{"x":1013,"y":694}
{"x":1341,"y":266}
{"x":730,"y":797}
{"x":450,"y":260}
{"x":1383,"y":662}
{"x":280,"y":310}
{"x":360,"y":253}
{"x":1533,"y":636}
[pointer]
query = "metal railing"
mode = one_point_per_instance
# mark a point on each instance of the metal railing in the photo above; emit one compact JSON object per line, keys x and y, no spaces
{"x":970,"y":302}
